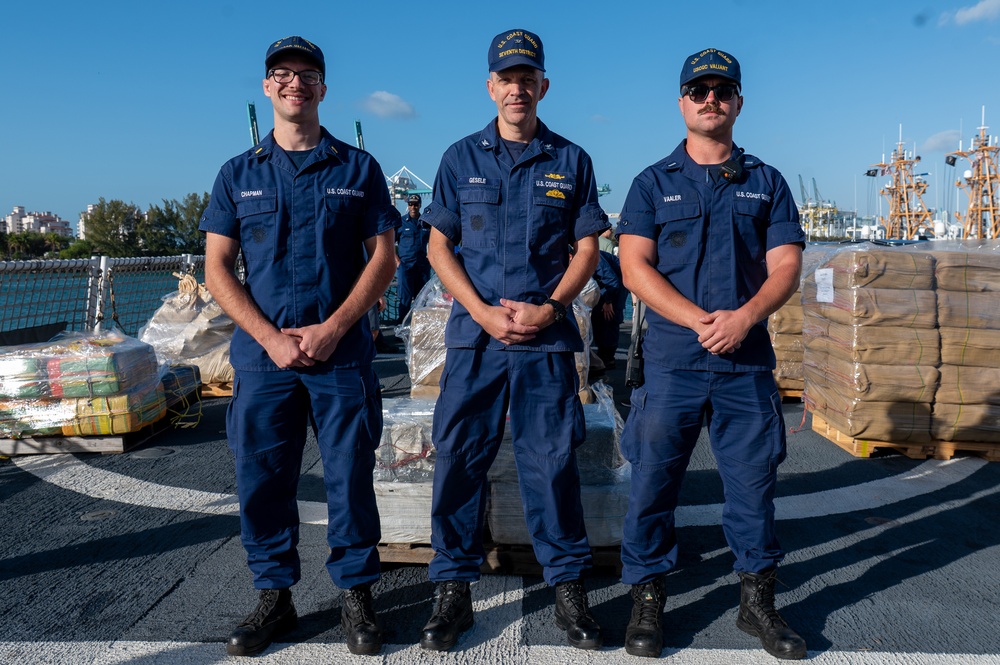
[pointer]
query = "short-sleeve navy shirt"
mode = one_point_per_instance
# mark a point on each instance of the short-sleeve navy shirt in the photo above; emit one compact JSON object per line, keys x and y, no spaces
{"x":712,"y":237}
{"x":513,"y":225}
{"x":302,"y":233}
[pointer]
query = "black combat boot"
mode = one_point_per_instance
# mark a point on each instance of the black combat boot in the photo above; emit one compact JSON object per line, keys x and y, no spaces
{"x":644,"y":635}
{"x":452,"y":616}
{"x":573,"y":615}
{"x":274,"y":616}
{"x":357,"y":616}
{"x":759,"y":618}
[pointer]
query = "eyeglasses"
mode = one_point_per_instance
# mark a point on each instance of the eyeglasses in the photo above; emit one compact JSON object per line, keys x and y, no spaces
{"x":413,"y":205}
{"x":698,"y":92}
{"x":307,"y":76}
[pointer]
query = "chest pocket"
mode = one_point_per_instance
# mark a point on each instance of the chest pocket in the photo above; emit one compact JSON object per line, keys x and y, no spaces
{"x":679,"y":233}
{"x":258,"y":224}
{"x":480,"y":206}
{"x":342,"y":224}
{"x":552,"y":196}
{"x":751,"y":218}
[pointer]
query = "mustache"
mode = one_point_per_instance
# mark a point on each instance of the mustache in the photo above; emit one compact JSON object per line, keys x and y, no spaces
{"x":711,"y":107}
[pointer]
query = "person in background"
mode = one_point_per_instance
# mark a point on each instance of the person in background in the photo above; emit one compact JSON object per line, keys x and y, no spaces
{"x":513,"y":197}
{"x":412,"y":267}
{"x":609,"y":313}
{"x":606,"y":242}
{"x":710,"y":242}
{"x":313,"y":220}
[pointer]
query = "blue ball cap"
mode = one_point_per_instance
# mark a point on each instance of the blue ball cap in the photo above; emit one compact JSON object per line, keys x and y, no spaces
{"x":710,"y":62}
{"x":296,"y":45}
{"x":516,"y":47}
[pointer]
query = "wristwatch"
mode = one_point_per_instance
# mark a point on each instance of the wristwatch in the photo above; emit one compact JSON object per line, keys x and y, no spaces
{"x":559,"y":308}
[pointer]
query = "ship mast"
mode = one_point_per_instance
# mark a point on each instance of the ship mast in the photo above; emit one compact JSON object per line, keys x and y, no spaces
{"x":907,"y":212}
{"x":982,"y":184}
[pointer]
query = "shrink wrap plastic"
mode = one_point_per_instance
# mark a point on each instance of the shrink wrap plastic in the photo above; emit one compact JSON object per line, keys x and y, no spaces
{"x":967,"y":406}
{"x":785,"y":326}
{"x":404,"y":474}
{"x":79,"y":384}
{"x":871,"y":345}
{"x":903,"y":343}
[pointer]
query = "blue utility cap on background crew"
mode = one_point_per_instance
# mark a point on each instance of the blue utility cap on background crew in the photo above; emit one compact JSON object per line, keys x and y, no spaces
{"x":710,"y":62}
{"x":516,"y":47}
{"x":296,"y":45}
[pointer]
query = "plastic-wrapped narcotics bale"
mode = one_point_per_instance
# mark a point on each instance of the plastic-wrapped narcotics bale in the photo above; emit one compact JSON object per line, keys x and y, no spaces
{"x":404,"y":470}
{"x":604,"y":475}
{"x":191,"y":328}
{"x":896,"y":422}
{"x":76,"y":365}
{"x":872,"y":307}
{"x":966,"y":422}
{"x":423,"y":335}
{"x":405,"y":453}
{"x":970,"y":347}
{"x":966,"y":266}
{"x":872,"y":382}
{"x":877,"y":345}
{"x":94,"y":383}
{"x":870,"y":266}
{"x":121,"y":413}
{"x":404,"y":511}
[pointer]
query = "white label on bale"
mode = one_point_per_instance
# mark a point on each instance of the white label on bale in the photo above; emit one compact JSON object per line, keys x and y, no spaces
{"x":824,"y":285}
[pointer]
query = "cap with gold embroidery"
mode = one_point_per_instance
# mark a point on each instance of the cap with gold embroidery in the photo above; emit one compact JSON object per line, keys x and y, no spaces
{"x":296,"y":45}
{"x":710,"y":62}
{"x":516,"y":47}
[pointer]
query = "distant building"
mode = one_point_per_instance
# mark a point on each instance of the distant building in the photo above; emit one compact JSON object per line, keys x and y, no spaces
{"x":81,"y":226}
{"x":20,"y":221}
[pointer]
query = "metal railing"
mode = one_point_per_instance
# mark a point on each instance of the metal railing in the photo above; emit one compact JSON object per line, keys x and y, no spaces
{"x":84,"y":294}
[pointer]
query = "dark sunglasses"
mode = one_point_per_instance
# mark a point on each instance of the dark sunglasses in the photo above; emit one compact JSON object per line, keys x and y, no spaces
{"x":698,"y":92}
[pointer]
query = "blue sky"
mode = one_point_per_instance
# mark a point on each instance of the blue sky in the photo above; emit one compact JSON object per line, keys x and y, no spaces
{"x":143,"y":101}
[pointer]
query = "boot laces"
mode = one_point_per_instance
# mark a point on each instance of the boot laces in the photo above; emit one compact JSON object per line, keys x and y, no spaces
{"x":359,"y":603}
{"x":268,"y":601}
{"x":449,"y":600}
{"x":648,"y":602}
{"x":575,"y":597}
{"x":763,"y":597}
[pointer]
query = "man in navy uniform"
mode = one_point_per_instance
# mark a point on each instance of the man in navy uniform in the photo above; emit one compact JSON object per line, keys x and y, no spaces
{"x":710,"y":241}
{"x":312,"y":218}
{"x":412,"y":270}
{"x":513,"y":197}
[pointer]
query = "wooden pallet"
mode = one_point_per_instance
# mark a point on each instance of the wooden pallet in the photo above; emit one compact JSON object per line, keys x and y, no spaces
{"x":790,"y":393}
{"x":109,"y":443}
{"x":942,"y":450}
{"x":223,"y":389}
{"x":500,"y":559}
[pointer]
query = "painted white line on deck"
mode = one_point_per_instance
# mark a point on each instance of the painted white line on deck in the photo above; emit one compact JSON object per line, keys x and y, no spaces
{"x":488,"y":653}
{"x":69,"y":473}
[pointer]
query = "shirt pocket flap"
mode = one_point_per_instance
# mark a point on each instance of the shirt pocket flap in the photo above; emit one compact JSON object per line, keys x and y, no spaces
{"x":257,"y":205}
{"x":677,"y":212}
{"x":751,"y":207}
{"x":479,"y":195}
